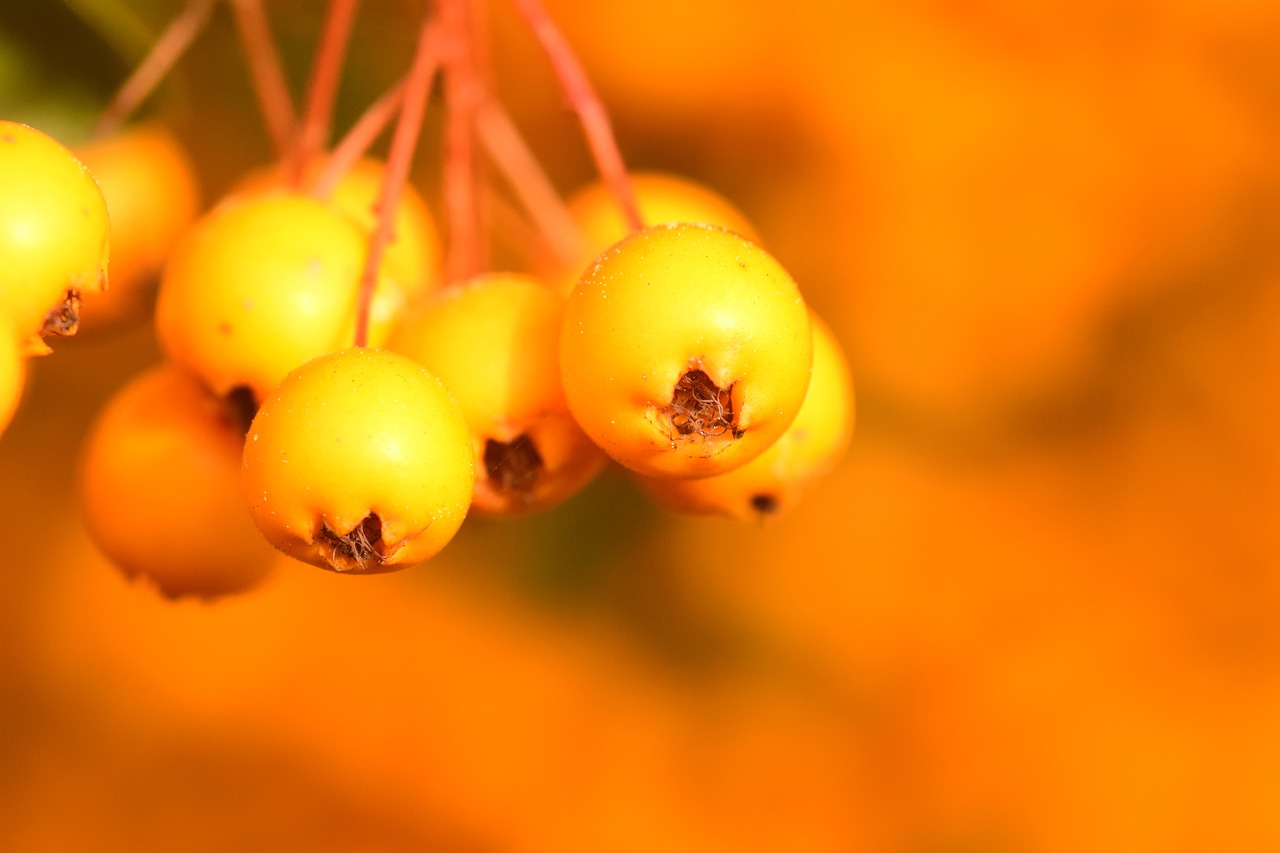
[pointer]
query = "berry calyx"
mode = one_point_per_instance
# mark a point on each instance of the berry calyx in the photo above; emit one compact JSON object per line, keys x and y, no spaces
{"x":54,"y":235}
{"x":359,"y":462}
{"x":685,"y":351}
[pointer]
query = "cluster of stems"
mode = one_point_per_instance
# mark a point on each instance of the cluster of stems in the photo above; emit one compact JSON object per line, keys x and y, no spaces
{"x":451,"y":44}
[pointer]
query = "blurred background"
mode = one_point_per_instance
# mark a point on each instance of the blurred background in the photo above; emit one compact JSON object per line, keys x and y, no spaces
{"x":1036,"y":608}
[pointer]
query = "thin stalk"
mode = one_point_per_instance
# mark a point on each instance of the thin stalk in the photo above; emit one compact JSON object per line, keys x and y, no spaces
{"x":463,"y":250}
{"x":404,"y":142}
{"x":156,"y":65}
{"x":322,"y":90}
{"x":586,"y":103}
{"x":267,"y":73}
{"x":528,"y":180}
{"x":358,"y":140}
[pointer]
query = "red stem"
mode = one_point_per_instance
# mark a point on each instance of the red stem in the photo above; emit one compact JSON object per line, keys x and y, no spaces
{"x":524,"y":173}
{"x":158,"y":62}
{"x":322,"y":90}
{"x":358,"y":140}
{"x":463,"y":250}
{"x":267,"y":73}
{"x":587,"y":104}
{"x":404,"y":142}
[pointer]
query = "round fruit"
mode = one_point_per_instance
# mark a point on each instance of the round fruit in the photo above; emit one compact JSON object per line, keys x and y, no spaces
{"x":495,"y":342}
{"x":686,"y":351}
{"x":260,"y":285}
{"x":360,"y":462}
{"x":13,"y":372}
{"x":774,"y":481}
{"x":413,"y":256}
{"x":661,"y":198}
{"x":160,"y":488}
{"x":152,"y":196}
{"x":54,"y":236}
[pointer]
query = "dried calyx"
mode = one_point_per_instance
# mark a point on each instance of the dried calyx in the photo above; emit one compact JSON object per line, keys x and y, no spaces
{"x":359,"y":549}
{"x":512,"y":466}
{"x":701,"y":408}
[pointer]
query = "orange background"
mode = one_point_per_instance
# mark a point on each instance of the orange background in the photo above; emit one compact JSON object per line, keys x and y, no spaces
{"x":1037,"y":608}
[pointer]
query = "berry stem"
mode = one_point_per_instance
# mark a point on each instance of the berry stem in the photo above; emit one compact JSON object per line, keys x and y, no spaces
{"x":322,"y":90}
{"x":587,"y":104}
{"x":404,"y":142}
{"x":267,"y":73}
{"x":357,"y":141}
{"x":463,"y":250}
{"x":511,"y":153}
{"x":159,"y":61}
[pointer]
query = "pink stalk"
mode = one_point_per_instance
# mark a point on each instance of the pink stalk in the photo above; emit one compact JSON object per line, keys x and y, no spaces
{"x":530,"y":183}
{"x":358,"y":140}
{"x":159,"y":61}
{"x":404,"y":142}
{"x":463,"y":250}
{"x":267,"y":73}
{"x":322,"y":90}
{"x":587,"y":104}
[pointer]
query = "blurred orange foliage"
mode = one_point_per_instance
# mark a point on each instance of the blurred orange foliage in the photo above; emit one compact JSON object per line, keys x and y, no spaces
{"x":1036,"y":609}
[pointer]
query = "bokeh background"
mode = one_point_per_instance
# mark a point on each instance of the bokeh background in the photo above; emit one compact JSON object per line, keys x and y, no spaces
{"x":1036,"y":608}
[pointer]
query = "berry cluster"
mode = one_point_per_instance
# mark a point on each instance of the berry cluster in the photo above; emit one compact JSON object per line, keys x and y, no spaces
{"x":362,"y":384}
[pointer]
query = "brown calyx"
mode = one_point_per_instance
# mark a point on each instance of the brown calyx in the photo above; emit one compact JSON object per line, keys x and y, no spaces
{"x":64,"y":319}
{"x":764,"y":503}
{"x":359,"y":549}
{"x":513,"y":467}
{"x":700,"y":407}
{"x":241,"y":407}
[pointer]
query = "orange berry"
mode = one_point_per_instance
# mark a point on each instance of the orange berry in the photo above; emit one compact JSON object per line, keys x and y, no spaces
{"x":54,"y":235}
{"x":773,"y":482}
{"x":12,"y":375}
{"x":661,"y":198}
{"x":160,"y":488}
{"x":685,"y":351}
{"x":412,"y":258}
{"x":152,"y":196}
{"x":260,"y":285}
{"x":495,"y":342}
{"x":360,"y":462}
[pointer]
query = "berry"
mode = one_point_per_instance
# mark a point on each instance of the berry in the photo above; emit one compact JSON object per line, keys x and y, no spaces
{"x":160,"y":488}
{"x":662,"y":198}
{"x":412,"y":258}
{"x":260,"y":285}
{"x":54,"y":235}
{"x":360,"y":462}
{"x":686,"y":351}
{"x":773,"y":482}
{"x":12,"y":375}
{"x":152,"y":196}
{"x":495,"y":342}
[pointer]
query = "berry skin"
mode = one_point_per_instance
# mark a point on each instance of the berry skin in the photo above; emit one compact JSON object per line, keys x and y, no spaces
{"x":54,"y":235}
{"x":152,"y":196}
{"x":359,"y":462}
{"x":495,"y":342}
{"x":685,"y":351}
{"x":412,"y":258}
{"x":773,"y":482}
{"x":661,"y":198}
{"x":260,"y":285}
{"x":160,"y":488}
{"x":13,"y":372}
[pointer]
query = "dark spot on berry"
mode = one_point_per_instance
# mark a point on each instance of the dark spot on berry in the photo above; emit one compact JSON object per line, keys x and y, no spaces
{"x":513,"y":467}
{"x":241,"y":407}
{"x":764,"y":503}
